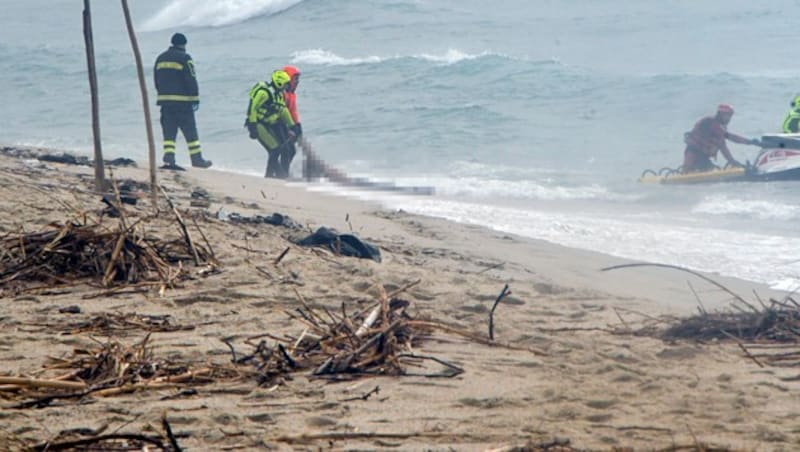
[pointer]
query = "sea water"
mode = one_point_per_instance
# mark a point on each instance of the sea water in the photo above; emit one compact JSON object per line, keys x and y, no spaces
{"x":528,"y":117}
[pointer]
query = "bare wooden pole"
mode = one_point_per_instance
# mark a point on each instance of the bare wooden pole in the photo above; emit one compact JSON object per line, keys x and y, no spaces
{"x":99,"y":170}
{"x":145,"y":102}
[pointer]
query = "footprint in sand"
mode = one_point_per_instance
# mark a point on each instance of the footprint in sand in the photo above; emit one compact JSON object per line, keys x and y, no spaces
{"x":549,"y":289}
{"x":683,"y":352}
{"x":599,"y":418}
{"x":261,"y":418}
{"x":492,"y":402}
{"x":320,"y":421}
{"x":601,"y":404}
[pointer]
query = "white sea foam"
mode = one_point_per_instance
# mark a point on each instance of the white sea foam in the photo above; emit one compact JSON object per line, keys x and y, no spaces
{"x":539,"y":189}
{"x":763,"y":258}
{"x":326,"y":57}
{"x":756,"y":257}
{"x":760,"y":209}
{"x":452,"y":56}
{"x":213,"y":13}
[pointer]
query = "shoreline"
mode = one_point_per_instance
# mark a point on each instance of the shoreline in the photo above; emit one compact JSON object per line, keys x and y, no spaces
{"x":567,"y":374}
{"x":660,"y":282}
{"x":378,"y":201}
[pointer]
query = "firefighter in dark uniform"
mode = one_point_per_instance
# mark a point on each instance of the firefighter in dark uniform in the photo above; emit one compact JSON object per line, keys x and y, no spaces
{"x":179,"y":98}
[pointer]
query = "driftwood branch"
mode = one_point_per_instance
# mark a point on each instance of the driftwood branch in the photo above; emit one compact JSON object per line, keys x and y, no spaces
{"x":73,"y":444}
{"x":504,"y":293}
{"x":36,"y":383}
{"x":168,"y":430}
{"x":186,"y":235}
{"x":281,"y":256}
{"x":151,"y":146}
{"x":340,"y":436}
{"x":366,"y":396}
{"x":691,"y":272}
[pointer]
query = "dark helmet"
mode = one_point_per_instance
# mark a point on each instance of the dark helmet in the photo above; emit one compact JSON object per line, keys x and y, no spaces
{"x":178,"y":39}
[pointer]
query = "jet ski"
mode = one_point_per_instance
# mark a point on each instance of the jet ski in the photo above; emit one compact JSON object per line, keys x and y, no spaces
{"x":779,"y":159}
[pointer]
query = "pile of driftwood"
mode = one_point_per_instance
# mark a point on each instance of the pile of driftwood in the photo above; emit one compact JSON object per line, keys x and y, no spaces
{"x":123,"y":254}
{"x":377,"y":340}
{"x":773,"y":328}
{"x":109,"y":369}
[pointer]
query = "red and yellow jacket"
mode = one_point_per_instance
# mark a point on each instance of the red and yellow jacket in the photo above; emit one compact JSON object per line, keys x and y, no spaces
{"x":708,"y":137}
{"x":290,"y":96}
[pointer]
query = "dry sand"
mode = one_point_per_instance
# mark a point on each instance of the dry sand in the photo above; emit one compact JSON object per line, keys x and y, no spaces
{"x":599,"y":390}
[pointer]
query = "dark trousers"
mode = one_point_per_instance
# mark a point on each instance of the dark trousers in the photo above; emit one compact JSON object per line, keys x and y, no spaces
{"x":287,"y":153}
{"x":271,"y":137}
{"x":695,"y":160}
{"x":179,"y":116}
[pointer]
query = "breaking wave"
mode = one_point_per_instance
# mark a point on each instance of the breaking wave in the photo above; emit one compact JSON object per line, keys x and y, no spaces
{"x":213,"y":13}
{"x":325,"y":57}
{"x":756,"y":208}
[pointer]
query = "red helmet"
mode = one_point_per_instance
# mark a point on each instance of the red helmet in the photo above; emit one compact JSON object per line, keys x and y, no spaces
{"x":725,"y":108}
{"x":292,"y":71}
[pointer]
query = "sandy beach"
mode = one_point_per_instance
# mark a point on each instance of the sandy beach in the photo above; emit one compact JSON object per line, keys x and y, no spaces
{"x":559,"y":371}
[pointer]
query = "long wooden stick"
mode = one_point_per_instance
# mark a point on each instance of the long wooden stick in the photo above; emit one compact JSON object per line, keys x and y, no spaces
{"x":282,"y":255}
{"x":109,"y":273}
{"x":333,"y":436}
{"x":168,"y":429}
{"x":74,"y":444}
{"x":37,"y":383}
{"x":205,"y":239}
{"x":99,"y":170}
{"x":186,"y":235}
{"x":475,"y":337}
{"x":691,"y":272}
{"x":145,"y":103}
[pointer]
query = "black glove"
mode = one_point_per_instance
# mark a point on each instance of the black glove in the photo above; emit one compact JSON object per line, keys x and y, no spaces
{"x":251,"y":127}
{"x":195,"y":106}
{"x":298,"y":129}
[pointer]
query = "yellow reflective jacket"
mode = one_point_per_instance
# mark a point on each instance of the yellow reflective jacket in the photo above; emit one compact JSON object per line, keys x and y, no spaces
{"x":267,"y":106}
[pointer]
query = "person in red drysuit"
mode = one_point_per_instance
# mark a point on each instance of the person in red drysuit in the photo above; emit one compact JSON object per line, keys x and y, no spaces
{"x":707,"y":138}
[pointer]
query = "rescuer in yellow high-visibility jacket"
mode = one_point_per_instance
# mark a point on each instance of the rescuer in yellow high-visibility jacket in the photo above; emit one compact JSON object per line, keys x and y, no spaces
{"x":270,"y":122}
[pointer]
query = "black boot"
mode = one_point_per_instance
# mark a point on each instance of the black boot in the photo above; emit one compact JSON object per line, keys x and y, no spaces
{"x":198,"y":162}
{"x":169,"y":162}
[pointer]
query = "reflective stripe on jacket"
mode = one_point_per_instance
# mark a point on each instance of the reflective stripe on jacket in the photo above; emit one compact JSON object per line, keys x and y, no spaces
{"x":791,"y":123}
{"x":175,"y":78}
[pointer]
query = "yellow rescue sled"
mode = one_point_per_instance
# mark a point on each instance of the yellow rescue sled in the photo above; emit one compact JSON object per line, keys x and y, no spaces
{"x":674,"y":177}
